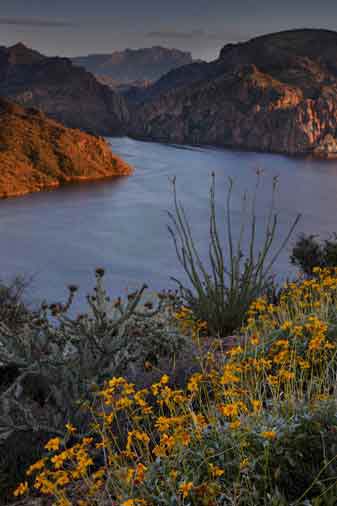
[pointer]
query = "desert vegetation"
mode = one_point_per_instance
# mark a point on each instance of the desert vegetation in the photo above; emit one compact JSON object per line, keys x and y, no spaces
{"x":222,"y":393}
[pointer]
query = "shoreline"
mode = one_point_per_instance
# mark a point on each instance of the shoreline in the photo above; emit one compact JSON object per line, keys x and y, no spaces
{"x":74,"y":180}
{"x":311,"y":155}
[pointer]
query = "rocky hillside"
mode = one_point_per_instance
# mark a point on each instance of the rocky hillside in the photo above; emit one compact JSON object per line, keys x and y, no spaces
{"x":62,"y":90}
{"x":274,"y":93}
{"x":37,"y":153}
{"x":147,"y":64}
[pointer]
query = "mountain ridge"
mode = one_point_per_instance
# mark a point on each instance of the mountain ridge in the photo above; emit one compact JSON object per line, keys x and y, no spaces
{"x":276,"y":93}
{"x":130,"y":65}
{"x":62,"y":90}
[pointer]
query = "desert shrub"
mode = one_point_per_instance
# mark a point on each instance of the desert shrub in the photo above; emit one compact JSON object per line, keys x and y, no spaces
{"x":74,"y":355}
{"x":309,"y":252}
{"x":14,"y":312}
{"x":222,"y":295}
{"x":66,"y":164}
{"x":34,"y":156}
{"x":54,"y":362}
{"x":256,"y":426}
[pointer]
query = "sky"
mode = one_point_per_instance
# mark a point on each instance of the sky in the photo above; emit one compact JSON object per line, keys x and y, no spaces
{"x":80,"y":27}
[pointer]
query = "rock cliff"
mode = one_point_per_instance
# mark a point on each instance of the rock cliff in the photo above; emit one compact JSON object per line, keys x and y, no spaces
{"x":38,"y":153}
{"x":274,"y":93}
{"x":62,"y":90}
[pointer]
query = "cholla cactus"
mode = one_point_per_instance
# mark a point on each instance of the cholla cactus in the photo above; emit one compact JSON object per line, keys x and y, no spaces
{"x":61,"y":360}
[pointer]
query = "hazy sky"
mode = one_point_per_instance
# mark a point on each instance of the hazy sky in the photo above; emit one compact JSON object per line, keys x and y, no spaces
{"x":78,"y":27}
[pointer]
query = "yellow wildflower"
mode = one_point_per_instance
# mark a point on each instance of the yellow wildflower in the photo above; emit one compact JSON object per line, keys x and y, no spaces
{"x":164,"y":379}
{"x":244,"y":463}
{"x":233,"y":352}
{"x":269,"y":434}
{"x":272,"y":380}
{"x":257,"y":405}
{"x":229,"y":410}
{"x":193,"y":383}
{"x":135,"y":502}
{"x":185,"y":438}
{"x":37,"y":466}
{"x":235,"y":425}
{"x":140,"y":473}
{"x":173,"y":474}
{"x":185,"y":488}
{"x":53,"y":444}
{"x":215,"y":471}
{"x":21,"y":489}
{"x":70,"y":428}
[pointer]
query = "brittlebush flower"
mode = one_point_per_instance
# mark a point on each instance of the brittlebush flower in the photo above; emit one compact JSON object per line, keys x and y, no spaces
{"x":185,"y":488}
{"x":269,"y":434}
{"x":235,"y":425}
{"x":272,"y":380}
{"x":244,"y":463}
{"x":35,"y":467}
{"x":254,"y":340}
{"x":135,"y":502}
{"x":53,"y":444}
{"x":70,"y":428}
{"x":215,"y":471}
{"x":21,"y":489}
{"x":193,"y":384}
{"x":232,"y":394}
{"x":173,"y":474}
{"x":140,"y":473}
{"x":164,"y":379}
{"x":257,"y":405}
{"x":229,"y":410}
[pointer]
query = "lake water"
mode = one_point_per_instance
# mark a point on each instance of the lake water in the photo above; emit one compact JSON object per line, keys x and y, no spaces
{"x":60,"y":237}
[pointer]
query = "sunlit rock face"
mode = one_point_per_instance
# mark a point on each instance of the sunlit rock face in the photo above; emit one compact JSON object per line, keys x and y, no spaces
{"x":273,"y":93}
{"x":37,"y":153}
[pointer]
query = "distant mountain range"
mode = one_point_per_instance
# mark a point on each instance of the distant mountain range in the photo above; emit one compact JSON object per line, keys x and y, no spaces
{"x":62,"y":90}
{"x":274,"y":93}
{"x":37,"y":153}
{"x":130,"y":65}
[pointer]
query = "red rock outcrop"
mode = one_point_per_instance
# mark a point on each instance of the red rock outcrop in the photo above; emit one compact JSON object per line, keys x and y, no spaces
{"x":37,"y":153}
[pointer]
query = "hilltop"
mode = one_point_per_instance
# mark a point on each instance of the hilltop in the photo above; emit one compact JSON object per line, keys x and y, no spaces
{"x":37,"y":153}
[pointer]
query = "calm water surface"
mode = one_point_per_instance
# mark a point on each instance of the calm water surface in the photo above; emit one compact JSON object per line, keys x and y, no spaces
{"x":59,"y":237}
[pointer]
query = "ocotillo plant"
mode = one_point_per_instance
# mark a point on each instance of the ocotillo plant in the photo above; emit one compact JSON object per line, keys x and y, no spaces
{"x":222,"y":295}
